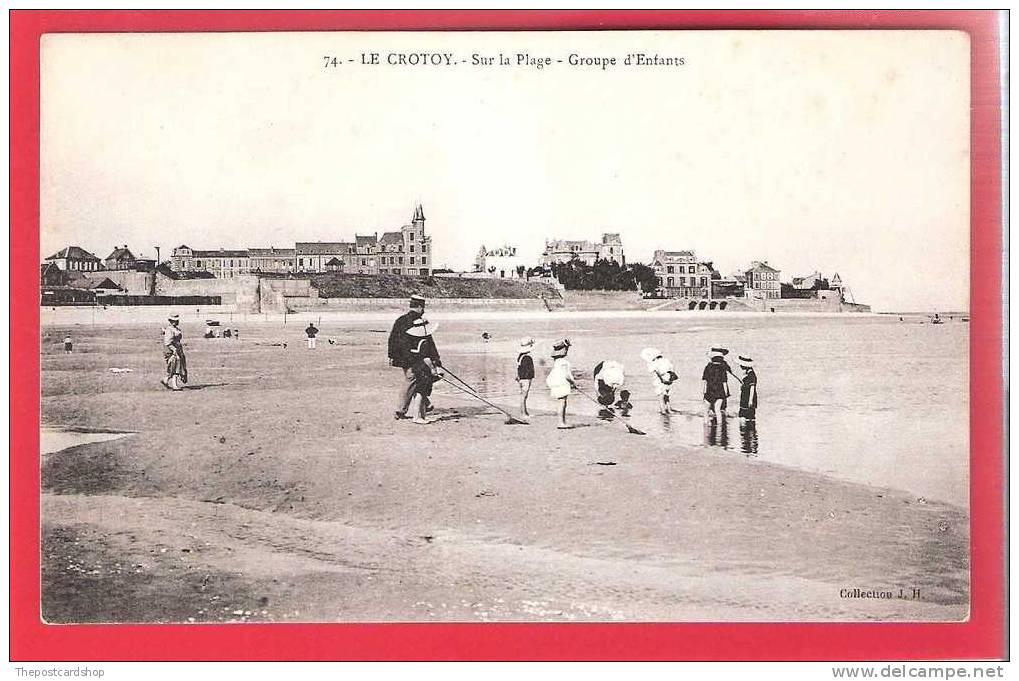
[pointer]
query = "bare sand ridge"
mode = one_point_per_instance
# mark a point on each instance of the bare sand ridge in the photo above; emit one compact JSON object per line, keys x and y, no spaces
{"x":280,"y":488}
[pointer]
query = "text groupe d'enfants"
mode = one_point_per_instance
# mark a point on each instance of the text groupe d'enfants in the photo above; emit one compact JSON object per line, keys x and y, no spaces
{"x":524,"y":59}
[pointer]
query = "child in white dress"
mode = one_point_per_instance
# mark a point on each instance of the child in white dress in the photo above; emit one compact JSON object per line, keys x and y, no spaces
{"x":560,"y":378}
{"x":662,"y":376}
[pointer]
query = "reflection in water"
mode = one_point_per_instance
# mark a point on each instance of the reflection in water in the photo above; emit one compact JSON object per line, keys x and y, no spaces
{"x":716,"y":431}
{"x":748,"y":436}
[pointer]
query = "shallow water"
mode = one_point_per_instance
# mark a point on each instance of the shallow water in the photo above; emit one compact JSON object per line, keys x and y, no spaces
{"x":53,"y":439}
{"x":866,"y":399}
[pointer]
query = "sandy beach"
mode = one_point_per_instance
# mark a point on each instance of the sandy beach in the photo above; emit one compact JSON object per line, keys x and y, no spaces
{"x":279,"y":487}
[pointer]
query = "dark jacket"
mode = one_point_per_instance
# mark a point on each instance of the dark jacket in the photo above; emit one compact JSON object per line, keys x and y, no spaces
{"x":399,"y":341}
{"x":420,"y":348}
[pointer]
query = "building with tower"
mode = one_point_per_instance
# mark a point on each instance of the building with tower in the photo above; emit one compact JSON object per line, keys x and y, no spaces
{"x":404,"y":251}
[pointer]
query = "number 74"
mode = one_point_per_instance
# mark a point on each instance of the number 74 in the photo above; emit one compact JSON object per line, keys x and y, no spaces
{"x":330,"y":61}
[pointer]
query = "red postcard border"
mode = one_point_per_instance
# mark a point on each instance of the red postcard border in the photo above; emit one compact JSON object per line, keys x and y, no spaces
{"x":982,"y":636}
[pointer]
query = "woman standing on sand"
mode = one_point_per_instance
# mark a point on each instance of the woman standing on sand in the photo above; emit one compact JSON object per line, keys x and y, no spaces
{"x":173,"y":354}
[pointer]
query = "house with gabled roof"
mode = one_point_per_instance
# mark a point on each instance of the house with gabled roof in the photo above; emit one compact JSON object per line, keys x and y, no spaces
{"x":120,"y":259}
{"x":762,"y":281}
{"x":76,"y":259}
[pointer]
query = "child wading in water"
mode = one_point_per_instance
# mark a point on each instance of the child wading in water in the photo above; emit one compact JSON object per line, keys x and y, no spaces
{"x":748,"y":390}
{"x":608,"y":378}
{"x":560,"y":379}
{"x":715,"y":382}
{"x":525,"y":373}
{"x":68,"y":344}
{"x":662,"y":376}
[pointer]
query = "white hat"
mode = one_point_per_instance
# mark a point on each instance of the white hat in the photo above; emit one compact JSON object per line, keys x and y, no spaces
{"x":718,"y":352}
{"x":526,"y":343}
{"x":650,"y":354}
{"x":745,"y":361}
{"x":173,"y":318}
{"x":422,"y":327}
{"x":611,"y":373}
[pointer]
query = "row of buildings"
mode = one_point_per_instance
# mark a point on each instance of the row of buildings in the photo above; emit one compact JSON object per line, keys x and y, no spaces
{"x":680,"y":274}
{"x":77,"y":259}
{"x":405,"y":251}
{"x":409,"y":251}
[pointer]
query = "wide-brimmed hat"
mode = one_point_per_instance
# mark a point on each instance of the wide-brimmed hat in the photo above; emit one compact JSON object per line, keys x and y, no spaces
{"x":718,"y":352}
{"x":173,"y":318}
{"x":612,"y":373}
{"x":745,"y":361}
{"x":650,"y":354}
{"x":422,"y":327}
{"x":417,"y":301}
{"x":526,"y":343}
{"x":560,"y":348}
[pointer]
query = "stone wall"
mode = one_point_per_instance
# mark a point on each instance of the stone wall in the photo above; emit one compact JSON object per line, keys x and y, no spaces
{"x":306,"y":303}
{"x":242,"y":292}
{"x":133,"y":283}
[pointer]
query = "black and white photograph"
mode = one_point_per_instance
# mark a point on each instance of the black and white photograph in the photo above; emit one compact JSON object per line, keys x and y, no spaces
{"x":531,"y":326}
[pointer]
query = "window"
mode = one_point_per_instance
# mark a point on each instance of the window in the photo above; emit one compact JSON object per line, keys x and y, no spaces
{"x":423,"y":260}
{"x":704,"y":281}
{"x":424,"y":247}
{"x":670,"y":269}
{"x":396,"y":271}
{"x":672,"y":282}
{"x":412,"y":260}
{"x":364,"y":262}
{"x":412,"y":239}
{"x":412,"y":248}
{"x":682,"y":281}
{"x":401,"y":259}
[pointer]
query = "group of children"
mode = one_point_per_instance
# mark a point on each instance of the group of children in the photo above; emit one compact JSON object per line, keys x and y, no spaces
{"x":609,"y":378}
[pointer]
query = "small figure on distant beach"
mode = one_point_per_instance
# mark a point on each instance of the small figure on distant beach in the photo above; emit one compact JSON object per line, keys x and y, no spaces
{"x":426,"y":366}
{"x":485,"y":337}
{"x":173,"y":355}
{"x":237,"y":334}
{"x":560,"y":378}
{"x":748,"y":389}
{"x":227,"y":333}
{"x":312,"y":332}
{"x":608,"y":379}
{"x":663,"y":376}
{"x":715,"y":382}
{"x":68,"y":344}
{"x":525,"y":373}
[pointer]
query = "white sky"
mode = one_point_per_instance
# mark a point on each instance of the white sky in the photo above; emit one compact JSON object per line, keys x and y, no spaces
{"x":837,"y":151}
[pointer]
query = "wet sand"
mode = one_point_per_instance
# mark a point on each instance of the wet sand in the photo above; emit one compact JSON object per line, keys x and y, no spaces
{"x":280,"y":488}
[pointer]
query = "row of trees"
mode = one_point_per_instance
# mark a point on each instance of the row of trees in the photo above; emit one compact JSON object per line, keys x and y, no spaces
{"x":603,"y":275}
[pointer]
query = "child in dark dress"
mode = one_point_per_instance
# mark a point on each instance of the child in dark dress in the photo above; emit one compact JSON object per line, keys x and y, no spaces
{"x":525,"y":373}
{"x":748,"y":390}
{"x":716,"y":385}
